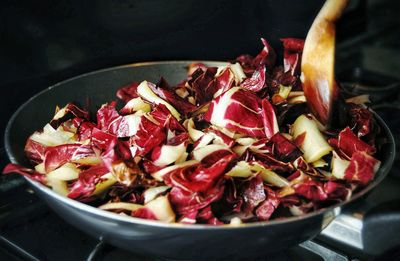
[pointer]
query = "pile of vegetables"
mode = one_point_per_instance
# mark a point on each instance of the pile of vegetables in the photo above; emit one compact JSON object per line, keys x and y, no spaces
{"x":227,"y":145}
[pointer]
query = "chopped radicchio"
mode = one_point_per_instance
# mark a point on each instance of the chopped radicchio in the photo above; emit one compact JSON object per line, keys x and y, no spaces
{"x":265,"y":210}
{"x":35,"y":151}
{"x":196,"y":186}
{"x":362,"y":168}
{"x":163,"y":90}
{"x":293,"y":49}
{"x":253,"y":193}
{"x":87,"y":181}
{"x":209,"y":149}
{"x":243,"y":112}
{"x":144,"y":213}
{"x":266,"y":57}
{"x":348,"y":144}
{"x":257,"y":81}
{"x":205,"y":86}
{"x":27,"y":172}
{"x":61,"y":154}
{"x":128,"y":92}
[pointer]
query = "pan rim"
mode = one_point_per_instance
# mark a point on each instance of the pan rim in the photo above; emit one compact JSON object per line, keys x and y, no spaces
{"x":383,"y":170}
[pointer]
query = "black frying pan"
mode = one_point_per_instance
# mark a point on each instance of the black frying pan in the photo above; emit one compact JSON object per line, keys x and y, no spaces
{"x":154,"y":238}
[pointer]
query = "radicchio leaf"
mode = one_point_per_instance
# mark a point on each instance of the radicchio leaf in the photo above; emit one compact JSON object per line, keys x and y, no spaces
{"x":292,"y":50}
{"x":266,"y":57}
{"x":231,"y":202}
{"x":107,"y":116}
{"x":165,"y":119}
{"x":128,"y":92}
{"x":283,"y":149}
{"x":101,"y":140}
{"x":170,"y":152}
{"x":69,"y":109}
{"x":307,"y":187}
{"x":206,"y":216}
{"x":204,"y":86}
{"x":246,"y":62}
{"x":252,"y":191}
{"x":224,"y":81}
{"x":311,"y":189}
{"x":61,"y":154}
{"x":35,"y":151}
{"x":186,"y":202}
{"x":269,"y":119}
{"x":148,"y":136}
{"x":256,"y":82}
{"x":215,"y":156}
{"x":29,"y":173}
{"x":362,"y":168}
{"x":119,"y":161}
{"x":242,"y":112}
{"x":196,"y":186}
{"x":348,"y":143}
{"x":163,"y":90}
{"x":337,"y":191}
{"x":280,"y":77}
{"x":363,"y":123}
{"x":144,"y":213}
{"x":84,"y":130}
{"x":268,"y":206}
{"x":86,"y":183}
{"x":301,"y":164}
{"x":268,"y":161}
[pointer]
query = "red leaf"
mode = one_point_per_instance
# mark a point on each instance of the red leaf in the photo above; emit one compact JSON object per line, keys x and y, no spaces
{"x":336,"y":191}
{"x":349,"y":143}
{"x":163,"y":91}
{"x":266,"y":57}
{"x":224,"y":81}
{"x":253,"y":193}
{"x":293,"y":49}
{"x":35,"y":151}
{"x":128,"y":92}
{"x":119,"y":161}
{"x":29,"y":173}
{"x":61,"y":154}
{"x":363,"y":123}
{"x":256,"y":82}
{"x":149,"y":136}
{"x":269,"y":119}
{"x":196,"y":186}
{"x":311,"y":189}
{"x":206,"y":216}
{"x":86,"y":183}
{"x":283,"y":149}
{"x":204,"y":86}
{"x":243,"y":112}
{"x":268,"y":206}
{"x":362,"y":168}
{"x":144,"y":213}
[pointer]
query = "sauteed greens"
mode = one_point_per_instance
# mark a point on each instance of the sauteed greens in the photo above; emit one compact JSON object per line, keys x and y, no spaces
{"x":226,"y":145}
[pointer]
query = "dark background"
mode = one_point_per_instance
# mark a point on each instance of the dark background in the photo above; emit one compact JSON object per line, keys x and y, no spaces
{"x":41,"y":37}
{"x":43,"y":42}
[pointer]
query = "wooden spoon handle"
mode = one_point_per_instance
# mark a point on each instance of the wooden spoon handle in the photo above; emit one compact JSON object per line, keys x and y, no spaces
{"x":332,"y":10}
{"x":317,"y":65}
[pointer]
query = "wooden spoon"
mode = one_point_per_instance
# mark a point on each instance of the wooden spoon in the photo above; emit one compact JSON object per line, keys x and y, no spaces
{"x":317,"y":66}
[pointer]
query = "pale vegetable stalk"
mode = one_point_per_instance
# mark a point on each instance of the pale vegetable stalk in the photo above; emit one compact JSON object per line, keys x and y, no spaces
{"x":314,"y":144}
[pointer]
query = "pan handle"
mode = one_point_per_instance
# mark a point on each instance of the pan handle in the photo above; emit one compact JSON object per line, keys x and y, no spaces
{"x":325,"y":253}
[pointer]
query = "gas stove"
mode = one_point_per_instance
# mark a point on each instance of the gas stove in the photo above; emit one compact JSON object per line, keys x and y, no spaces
{"x":366,"y":64}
